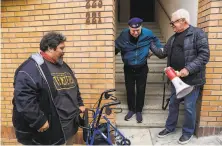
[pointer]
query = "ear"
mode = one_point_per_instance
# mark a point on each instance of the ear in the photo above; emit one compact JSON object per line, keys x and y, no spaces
{"x":184,"y":20}
{"x":50,"y":49}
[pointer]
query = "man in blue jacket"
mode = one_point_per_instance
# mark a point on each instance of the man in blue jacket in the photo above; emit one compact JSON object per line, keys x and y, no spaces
{"x":134,"y":44}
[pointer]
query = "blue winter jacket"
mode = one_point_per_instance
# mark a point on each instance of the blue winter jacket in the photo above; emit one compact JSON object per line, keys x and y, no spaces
{"x":135,"y":54}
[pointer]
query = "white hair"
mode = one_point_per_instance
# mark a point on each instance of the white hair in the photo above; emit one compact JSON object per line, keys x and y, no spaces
{"x":182,"y":13}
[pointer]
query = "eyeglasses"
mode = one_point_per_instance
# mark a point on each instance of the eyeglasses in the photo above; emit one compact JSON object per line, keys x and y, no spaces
{"x":172,"y":22}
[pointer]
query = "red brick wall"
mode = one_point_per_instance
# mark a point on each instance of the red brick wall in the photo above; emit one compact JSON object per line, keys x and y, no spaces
{"x":210,"y":19}
{"x":89,"y":47}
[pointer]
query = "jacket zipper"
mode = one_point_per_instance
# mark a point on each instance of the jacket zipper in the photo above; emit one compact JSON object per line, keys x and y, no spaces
{"x":136,"y":53}
{"x":43,"y":75}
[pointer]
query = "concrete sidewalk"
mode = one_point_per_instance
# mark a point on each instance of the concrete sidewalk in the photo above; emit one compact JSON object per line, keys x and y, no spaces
{"x":148,"y":136}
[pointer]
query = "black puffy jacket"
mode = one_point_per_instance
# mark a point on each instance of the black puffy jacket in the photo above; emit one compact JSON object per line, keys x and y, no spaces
{"x":33,"y":104}
{"x":196,"y":53}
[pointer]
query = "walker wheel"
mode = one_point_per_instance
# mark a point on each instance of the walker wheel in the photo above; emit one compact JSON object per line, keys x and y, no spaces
{"x":125,"y":142}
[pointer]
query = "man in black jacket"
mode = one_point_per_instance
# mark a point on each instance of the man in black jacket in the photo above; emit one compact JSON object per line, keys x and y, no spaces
{"x":187,"y":52}
{"x":47,"y":99}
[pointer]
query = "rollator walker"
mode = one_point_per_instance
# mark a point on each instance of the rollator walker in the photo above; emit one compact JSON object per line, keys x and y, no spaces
{"x":96,"y":133}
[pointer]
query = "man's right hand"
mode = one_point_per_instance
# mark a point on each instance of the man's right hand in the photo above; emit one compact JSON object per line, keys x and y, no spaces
{"x":44,"y":127}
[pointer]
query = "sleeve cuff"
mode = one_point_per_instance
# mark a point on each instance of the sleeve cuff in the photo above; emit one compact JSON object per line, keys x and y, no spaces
{"x":81,"y":104}
{"x":189,"y":69}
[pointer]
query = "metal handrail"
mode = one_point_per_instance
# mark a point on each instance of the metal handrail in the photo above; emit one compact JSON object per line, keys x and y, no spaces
{"x":168,"y":16}
{"x":164,"y":105}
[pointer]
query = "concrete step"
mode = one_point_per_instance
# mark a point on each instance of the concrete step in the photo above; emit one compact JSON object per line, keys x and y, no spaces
{"x":149,"y":120}
{"x":152,"y":78}
{"x":122,"y":97}
{"x":151,"y":89}
{"x":150,"y":106}
{"x":154,"y":68}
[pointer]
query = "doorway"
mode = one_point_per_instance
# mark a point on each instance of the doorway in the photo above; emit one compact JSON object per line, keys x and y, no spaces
{"x":143,"y":9}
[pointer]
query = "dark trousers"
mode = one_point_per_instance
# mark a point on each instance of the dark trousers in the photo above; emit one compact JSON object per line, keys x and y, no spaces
{"x":190,"y":111}
{"x":135,"y":77}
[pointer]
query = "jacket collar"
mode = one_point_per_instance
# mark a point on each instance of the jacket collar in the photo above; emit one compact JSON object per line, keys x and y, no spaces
{"x":37,"y":57}
{"x":190,"y":30}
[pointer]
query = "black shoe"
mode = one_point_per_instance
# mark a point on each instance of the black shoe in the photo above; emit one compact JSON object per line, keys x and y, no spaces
{"x":184,"y":139}
{"x":164,"y":133}
{"x":129,"y":115}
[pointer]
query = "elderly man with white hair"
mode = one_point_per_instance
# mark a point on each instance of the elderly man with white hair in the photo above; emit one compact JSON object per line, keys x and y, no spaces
{"x":188,"y":53}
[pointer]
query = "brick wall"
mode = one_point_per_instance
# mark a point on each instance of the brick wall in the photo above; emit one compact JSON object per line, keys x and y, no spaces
{"x":89,"y":48}
{"x":210,"y":19}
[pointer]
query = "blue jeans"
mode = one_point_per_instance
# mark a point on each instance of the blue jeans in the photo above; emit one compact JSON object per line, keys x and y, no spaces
{"x":190,"y":111}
